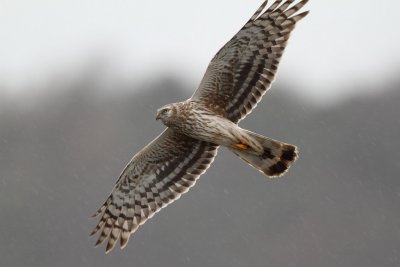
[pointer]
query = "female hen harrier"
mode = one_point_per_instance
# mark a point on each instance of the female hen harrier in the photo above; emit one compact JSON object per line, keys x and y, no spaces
{"x":235,"y":80}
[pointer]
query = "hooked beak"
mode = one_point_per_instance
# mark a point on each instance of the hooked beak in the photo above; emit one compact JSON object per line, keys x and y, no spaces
{"x":158,"y":115}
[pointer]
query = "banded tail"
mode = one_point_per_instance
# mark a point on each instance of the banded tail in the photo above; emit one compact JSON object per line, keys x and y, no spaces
{"x":275,"y":159}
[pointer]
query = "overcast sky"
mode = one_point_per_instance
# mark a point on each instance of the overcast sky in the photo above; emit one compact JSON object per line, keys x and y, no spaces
{"x":342,"y":42}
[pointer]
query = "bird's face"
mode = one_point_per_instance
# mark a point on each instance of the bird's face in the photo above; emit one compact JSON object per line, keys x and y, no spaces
{"x":166,"y":113}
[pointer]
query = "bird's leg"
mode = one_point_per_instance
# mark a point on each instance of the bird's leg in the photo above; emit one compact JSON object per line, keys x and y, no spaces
{"x":241,"y":146}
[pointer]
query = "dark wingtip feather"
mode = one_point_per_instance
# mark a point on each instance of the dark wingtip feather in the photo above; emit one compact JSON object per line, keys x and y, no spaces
{"x":95,"y":230}
{"x":258,"y":12}
{"x":98,"y":242}
{"x":301,"y":15}
{"x":110,"y":246}
{"x":94,"y":215}
{"x":124,"y":239}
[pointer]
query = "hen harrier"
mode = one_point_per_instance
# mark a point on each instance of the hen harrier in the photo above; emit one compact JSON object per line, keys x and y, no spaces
{"x":235,"y":80}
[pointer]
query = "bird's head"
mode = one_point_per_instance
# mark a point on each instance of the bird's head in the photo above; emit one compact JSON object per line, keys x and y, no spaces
{"x":167,"y":113}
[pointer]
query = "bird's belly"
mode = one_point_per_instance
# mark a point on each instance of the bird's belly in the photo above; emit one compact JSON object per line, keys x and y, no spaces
{"x":213,"y":129}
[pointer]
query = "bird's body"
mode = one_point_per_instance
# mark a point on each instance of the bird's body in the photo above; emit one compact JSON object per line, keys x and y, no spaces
{"x":196,"y":120}
{"x":235,"y":81}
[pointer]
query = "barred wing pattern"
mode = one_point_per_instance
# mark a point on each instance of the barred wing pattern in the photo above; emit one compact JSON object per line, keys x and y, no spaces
{"x":156,"y":176}
{"x":243,"y":70}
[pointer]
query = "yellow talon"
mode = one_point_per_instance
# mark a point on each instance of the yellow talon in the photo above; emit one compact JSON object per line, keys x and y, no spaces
{"x":241,"y":146}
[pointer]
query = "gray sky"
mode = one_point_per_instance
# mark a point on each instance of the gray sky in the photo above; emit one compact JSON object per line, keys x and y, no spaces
{"x":340,"y":43}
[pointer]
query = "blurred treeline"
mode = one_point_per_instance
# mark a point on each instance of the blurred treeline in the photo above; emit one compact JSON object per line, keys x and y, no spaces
{"x":61,"y":153}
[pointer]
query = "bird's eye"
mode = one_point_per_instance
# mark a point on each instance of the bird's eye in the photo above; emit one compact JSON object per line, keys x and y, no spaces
{"x":164,"y":111}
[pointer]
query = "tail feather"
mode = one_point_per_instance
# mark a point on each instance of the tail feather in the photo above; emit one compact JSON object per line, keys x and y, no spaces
{"x":275,"y":159}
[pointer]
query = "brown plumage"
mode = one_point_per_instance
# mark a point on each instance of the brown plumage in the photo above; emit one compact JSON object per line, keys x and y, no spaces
{"x":235,"y":81}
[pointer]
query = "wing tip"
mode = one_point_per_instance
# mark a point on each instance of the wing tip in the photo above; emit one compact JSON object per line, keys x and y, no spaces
{"x":110,"y":246}
{"x":93,"y":232}
{"x":258,"y":12}
{"x":304,"y":14}
{"x":98,"y":242}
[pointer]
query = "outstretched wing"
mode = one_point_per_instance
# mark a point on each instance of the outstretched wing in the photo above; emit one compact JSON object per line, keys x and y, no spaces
{"x":156,"y":176}
{"x":243,"y":70}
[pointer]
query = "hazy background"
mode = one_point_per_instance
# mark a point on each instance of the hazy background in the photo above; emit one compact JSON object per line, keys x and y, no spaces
{"x":79,"y":84}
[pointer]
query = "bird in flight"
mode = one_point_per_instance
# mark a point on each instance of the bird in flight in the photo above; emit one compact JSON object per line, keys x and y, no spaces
{"x":235,"y":81}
